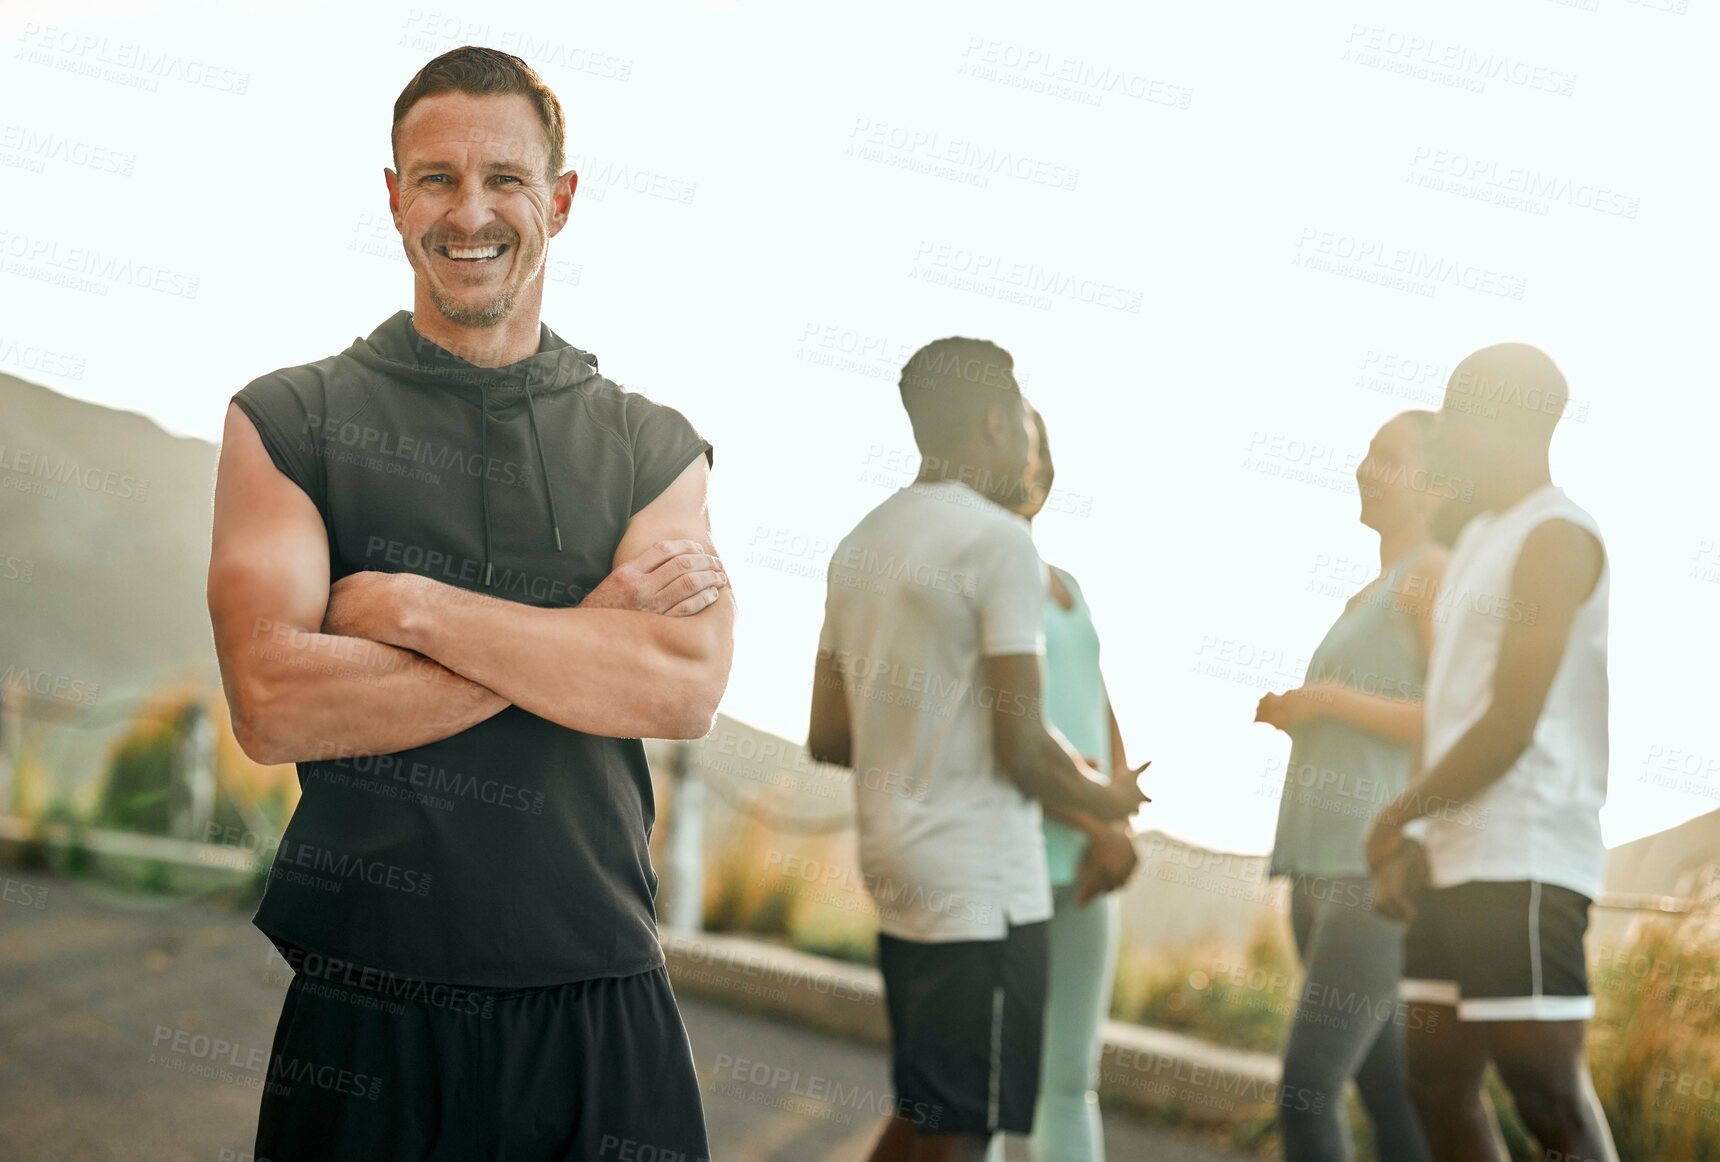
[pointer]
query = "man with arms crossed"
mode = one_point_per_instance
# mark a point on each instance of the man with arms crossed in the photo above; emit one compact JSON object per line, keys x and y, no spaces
{"x":439,"y":569}
{"x":1513,"y":775}
{"x":927,"y":684}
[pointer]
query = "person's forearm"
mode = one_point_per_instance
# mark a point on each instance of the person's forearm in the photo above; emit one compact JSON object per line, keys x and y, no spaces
{"x":297,"y":696}
{"x":1394,"y":718}
{"x":1079,"y":820}
{"x":612,"y":672}
{"x":1479,"y":759}
{"x":1052,"y":774}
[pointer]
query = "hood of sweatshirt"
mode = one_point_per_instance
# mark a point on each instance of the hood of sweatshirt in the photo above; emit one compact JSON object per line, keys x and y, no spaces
{"x":397,"y":350}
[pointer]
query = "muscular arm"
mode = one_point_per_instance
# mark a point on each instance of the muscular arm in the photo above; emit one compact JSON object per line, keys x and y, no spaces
{"x":1080,"y":819}
{"x":614,"y":672}
{"x":297,"y":694}
{"x":1042,"y":763}
{"x":1556,"y":571}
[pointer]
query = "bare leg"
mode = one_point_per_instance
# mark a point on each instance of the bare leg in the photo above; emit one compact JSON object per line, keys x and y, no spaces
{"x":896,"y":1143}
{"x":1542,"y":1064}
{"x":950,"y":1147}
{"x":1447,"y":1060}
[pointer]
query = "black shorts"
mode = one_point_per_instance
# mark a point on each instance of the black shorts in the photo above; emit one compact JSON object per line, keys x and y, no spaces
{"x":1500,"y":951}
{"x":967,"y":1019}
{"x":371,"y":1066}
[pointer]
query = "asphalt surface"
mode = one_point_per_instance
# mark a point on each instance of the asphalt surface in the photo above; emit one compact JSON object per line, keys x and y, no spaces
{"x":105,"y":1001}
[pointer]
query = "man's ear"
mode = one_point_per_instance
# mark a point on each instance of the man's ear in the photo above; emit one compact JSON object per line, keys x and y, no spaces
{"x":561,"y":200}
{"x":392,"y":181}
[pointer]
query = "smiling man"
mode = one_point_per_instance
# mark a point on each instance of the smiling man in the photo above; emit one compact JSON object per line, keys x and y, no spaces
{"x":456,"y":576}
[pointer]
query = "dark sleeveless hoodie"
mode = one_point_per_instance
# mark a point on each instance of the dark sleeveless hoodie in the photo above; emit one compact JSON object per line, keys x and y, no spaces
{"x":512,"y":854}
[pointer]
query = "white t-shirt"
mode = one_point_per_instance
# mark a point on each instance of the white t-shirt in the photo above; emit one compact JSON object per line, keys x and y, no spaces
{"x":1541,"y":819}
{"x":929,"y":583}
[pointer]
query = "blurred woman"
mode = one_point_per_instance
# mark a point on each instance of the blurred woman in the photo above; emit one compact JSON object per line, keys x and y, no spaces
{"x":1087,"y":861}
{"x":1354,"y":725}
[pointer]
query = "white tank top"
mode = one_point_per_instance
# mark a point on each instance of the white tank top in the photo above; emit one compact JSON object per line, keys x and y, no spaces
{"x":1541,"y":819}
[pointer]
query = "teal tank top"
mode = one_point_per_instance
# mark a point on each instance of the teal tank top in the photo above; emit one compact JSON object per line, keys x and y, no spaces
{"x":1075,"y":704}
{"x":1341,"y":775}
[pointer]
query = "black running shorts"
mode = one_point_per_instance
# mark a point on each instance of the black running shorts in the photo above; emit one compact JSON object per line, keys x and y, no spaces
{"x":1500,"y":951}
{"x":368,"y":1065}
{"x":966,"y":1023}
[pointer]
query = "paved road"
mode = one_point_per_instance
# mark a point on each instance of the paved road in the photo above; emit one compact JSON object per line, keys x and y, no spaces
{"x":96,"y":989}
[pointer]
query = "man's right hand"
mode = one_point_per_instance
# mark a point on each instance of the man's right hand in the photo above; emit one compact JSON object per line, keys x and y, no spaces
{"x":1110,"y":860}
{"x":676,"y":578}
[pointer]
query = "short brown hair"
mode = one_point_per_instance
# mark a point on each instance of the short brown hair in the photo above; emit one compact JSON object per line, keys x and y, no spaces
{"x":480,"y":72}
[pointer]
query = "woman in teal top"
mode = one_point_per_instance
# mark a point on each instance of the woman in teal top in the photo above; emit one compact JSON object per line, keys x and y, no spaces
{"x":1353,"y":726}
{"x":1085,"y":862}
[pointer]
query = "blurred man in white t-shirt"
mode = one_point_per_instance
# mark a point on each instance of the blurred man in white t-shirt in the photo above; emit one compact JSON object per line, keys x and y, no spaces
{"x":927,"y":684}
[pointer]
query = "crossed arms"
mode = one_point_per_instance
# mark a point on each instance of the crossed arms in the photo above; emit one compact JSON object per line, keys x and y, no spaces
{"x":381,"y":662}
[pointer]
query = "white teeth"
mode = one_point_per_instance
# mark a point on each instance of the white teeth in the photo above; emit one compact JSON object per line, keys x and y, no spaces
{"x":474,"y":252}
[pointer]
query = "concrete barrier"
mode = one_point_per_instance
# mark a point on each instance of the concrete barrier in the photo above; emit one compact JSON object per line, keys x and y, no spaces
{"x":1150,"y":1070}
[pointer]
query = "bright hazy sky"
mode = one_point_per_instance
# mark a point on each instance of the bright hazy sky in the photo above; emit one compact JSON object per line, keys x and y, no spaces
{"x":1184,"y":223}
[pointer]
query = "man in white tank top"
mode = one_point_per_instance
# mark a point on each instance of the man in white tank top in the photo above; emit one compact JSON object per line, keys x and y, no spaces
{"x":1502,"y":822}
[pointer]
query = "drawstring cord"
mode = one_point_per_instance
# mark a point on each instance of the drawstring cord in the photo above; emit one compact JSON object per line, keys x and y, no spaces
{"x":543,"y":466}
{"x":484,"y":473}
{"x":484,"y":479}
